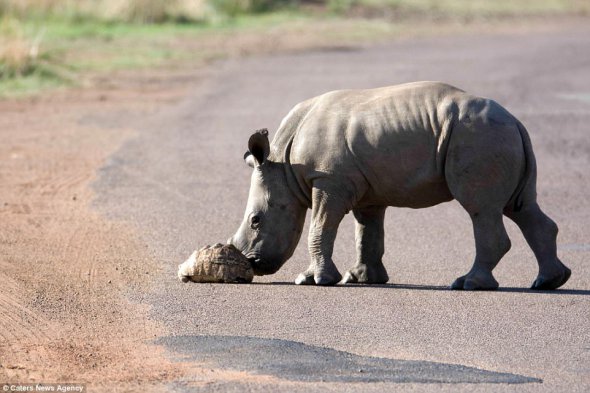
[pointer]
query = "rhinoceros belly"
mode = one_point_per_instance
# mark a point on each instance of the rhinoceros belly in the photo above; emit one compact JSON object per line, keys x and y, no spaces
{"x":401,"y":168}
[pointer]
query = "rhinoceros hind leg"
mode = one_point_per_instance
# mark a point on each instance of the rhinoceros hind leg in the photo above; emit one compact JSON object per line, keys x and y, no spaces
{"x":491,"y":243}
{"x":482,"y":171}
{"x":540,"y":233}
{"x":369,"y":267}
{"x":482,"y":174}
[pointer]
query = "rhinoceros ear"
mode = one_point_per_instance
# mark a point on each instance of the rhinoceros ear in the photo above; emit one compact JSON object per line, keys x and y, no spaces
{"x":258,"y":148}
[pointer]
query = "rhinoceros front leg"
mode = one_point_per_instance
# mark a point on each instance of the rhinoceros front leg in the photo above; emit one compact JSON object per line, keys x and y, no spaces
{"x":328,"y":208}
{"x":370,"y":247}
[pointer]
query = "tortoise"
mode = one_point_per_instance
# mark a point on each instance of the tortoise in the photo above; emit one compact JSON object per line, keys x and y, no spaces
{"x":216,"y":263}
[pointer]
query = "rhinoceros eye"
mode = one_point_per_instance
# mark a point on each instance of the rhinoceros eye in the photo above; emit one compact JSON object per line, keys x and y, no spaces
{"x":255,"y":221}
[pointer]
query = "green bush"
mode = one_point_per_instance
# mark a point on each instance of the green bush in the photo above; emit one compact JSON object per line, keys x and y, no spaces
{"x":233,"y":8}
{"x":340,"y":6}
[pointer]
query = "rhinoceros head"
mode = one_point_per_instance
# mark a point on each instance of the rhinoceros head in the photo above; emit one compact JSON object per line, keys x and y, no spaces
{"x":274,"y":217}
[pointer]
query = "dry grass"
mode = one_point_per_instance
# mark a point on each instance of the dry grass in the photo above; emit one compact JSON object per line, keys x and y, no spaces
{"x":18,"y":54}
{"x":137,"y":11}
{"x":23,"y":55}
{"x":464,"y":9}
{"x":16,"y":57}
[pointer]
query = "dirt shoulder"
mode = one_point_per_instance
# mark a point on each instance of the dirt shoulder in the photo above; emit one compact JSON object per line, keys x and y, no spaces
{"x":64,"y":269}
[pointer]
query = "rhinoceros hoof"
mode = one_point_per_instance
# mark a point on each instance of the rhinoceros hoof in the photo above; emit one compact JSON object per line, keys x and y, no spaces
{"x":481,"y":281}
{"x":548,"y":283}
{"x":349,"y":278}
{"x":327,"y":280}
{"x":365,"y":274}
{"x":304,"y":279}
{"x":308,"y":278}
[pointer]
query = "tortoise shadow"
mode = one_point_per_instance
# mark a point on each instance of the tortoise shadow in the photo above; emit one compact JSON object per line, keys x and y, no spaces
{"x":417,"y":287}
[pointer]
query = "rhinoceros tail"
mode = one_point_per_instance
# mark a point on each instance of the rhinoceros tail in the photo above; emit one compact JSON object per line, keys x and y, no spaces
{"x":527,"y":187}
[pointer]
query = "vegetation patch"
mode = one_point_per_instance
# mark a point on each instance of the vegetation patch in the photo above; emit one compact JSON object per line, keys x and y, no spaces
{"x":49,"y":43}
{"x":460,"y":9}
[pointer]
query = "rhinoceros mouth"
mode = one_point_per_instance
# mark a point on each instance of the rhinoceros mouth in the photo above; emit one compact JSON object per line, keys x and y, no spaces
{"x":262,"y":267}
{"x":253,"y":258}
{"x":254,"y":261}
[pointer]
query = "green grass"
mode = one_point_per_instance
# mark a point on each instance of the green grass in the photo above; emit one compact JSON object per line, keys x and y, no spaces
{"x":34,"y":83}
{"x":74,"y":49}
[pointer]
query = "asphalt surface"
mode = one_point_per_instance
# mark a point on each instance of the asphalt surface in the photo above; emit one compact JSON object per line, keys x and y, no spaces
{"x":182,"y":183}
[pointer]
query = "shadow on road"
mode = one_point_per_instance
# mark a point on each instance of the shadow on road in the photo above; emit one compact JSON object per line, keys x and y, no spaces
{"x":578,"y":292}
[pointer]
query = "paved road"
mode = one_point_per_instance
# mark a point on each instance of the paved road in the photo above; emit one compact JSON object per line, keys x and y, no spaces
{"x":182,"y":183}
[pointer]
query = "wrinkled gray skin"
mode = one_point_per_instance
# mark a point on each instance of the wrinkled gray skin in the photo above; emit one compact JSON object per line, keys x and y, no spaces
{"x":413,"y":145}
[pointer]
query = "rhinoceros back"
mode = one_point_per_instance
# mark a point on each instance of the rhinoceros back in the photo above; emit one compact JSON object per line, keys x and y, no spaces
{"x":394,"y":138}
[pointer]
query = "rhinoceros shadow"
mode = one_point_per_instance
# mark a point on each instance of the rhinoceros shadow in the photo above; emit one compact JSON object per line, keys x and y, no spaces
{"x":417,"y":287}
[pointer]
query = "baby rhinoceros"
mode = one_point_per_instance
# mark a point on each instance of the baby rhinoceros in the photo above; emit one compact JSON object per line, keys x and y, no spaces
{"x":413,"y":145}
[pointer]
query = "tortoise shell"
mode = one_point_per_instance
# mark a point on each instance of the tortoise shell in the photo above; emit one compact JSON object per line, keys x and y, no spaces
{"x":217,"y":263}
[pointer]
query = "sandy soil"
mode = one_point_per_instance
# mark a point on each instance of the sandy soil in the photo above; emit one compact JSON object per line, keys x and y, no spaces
{"x":64,"y":269}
